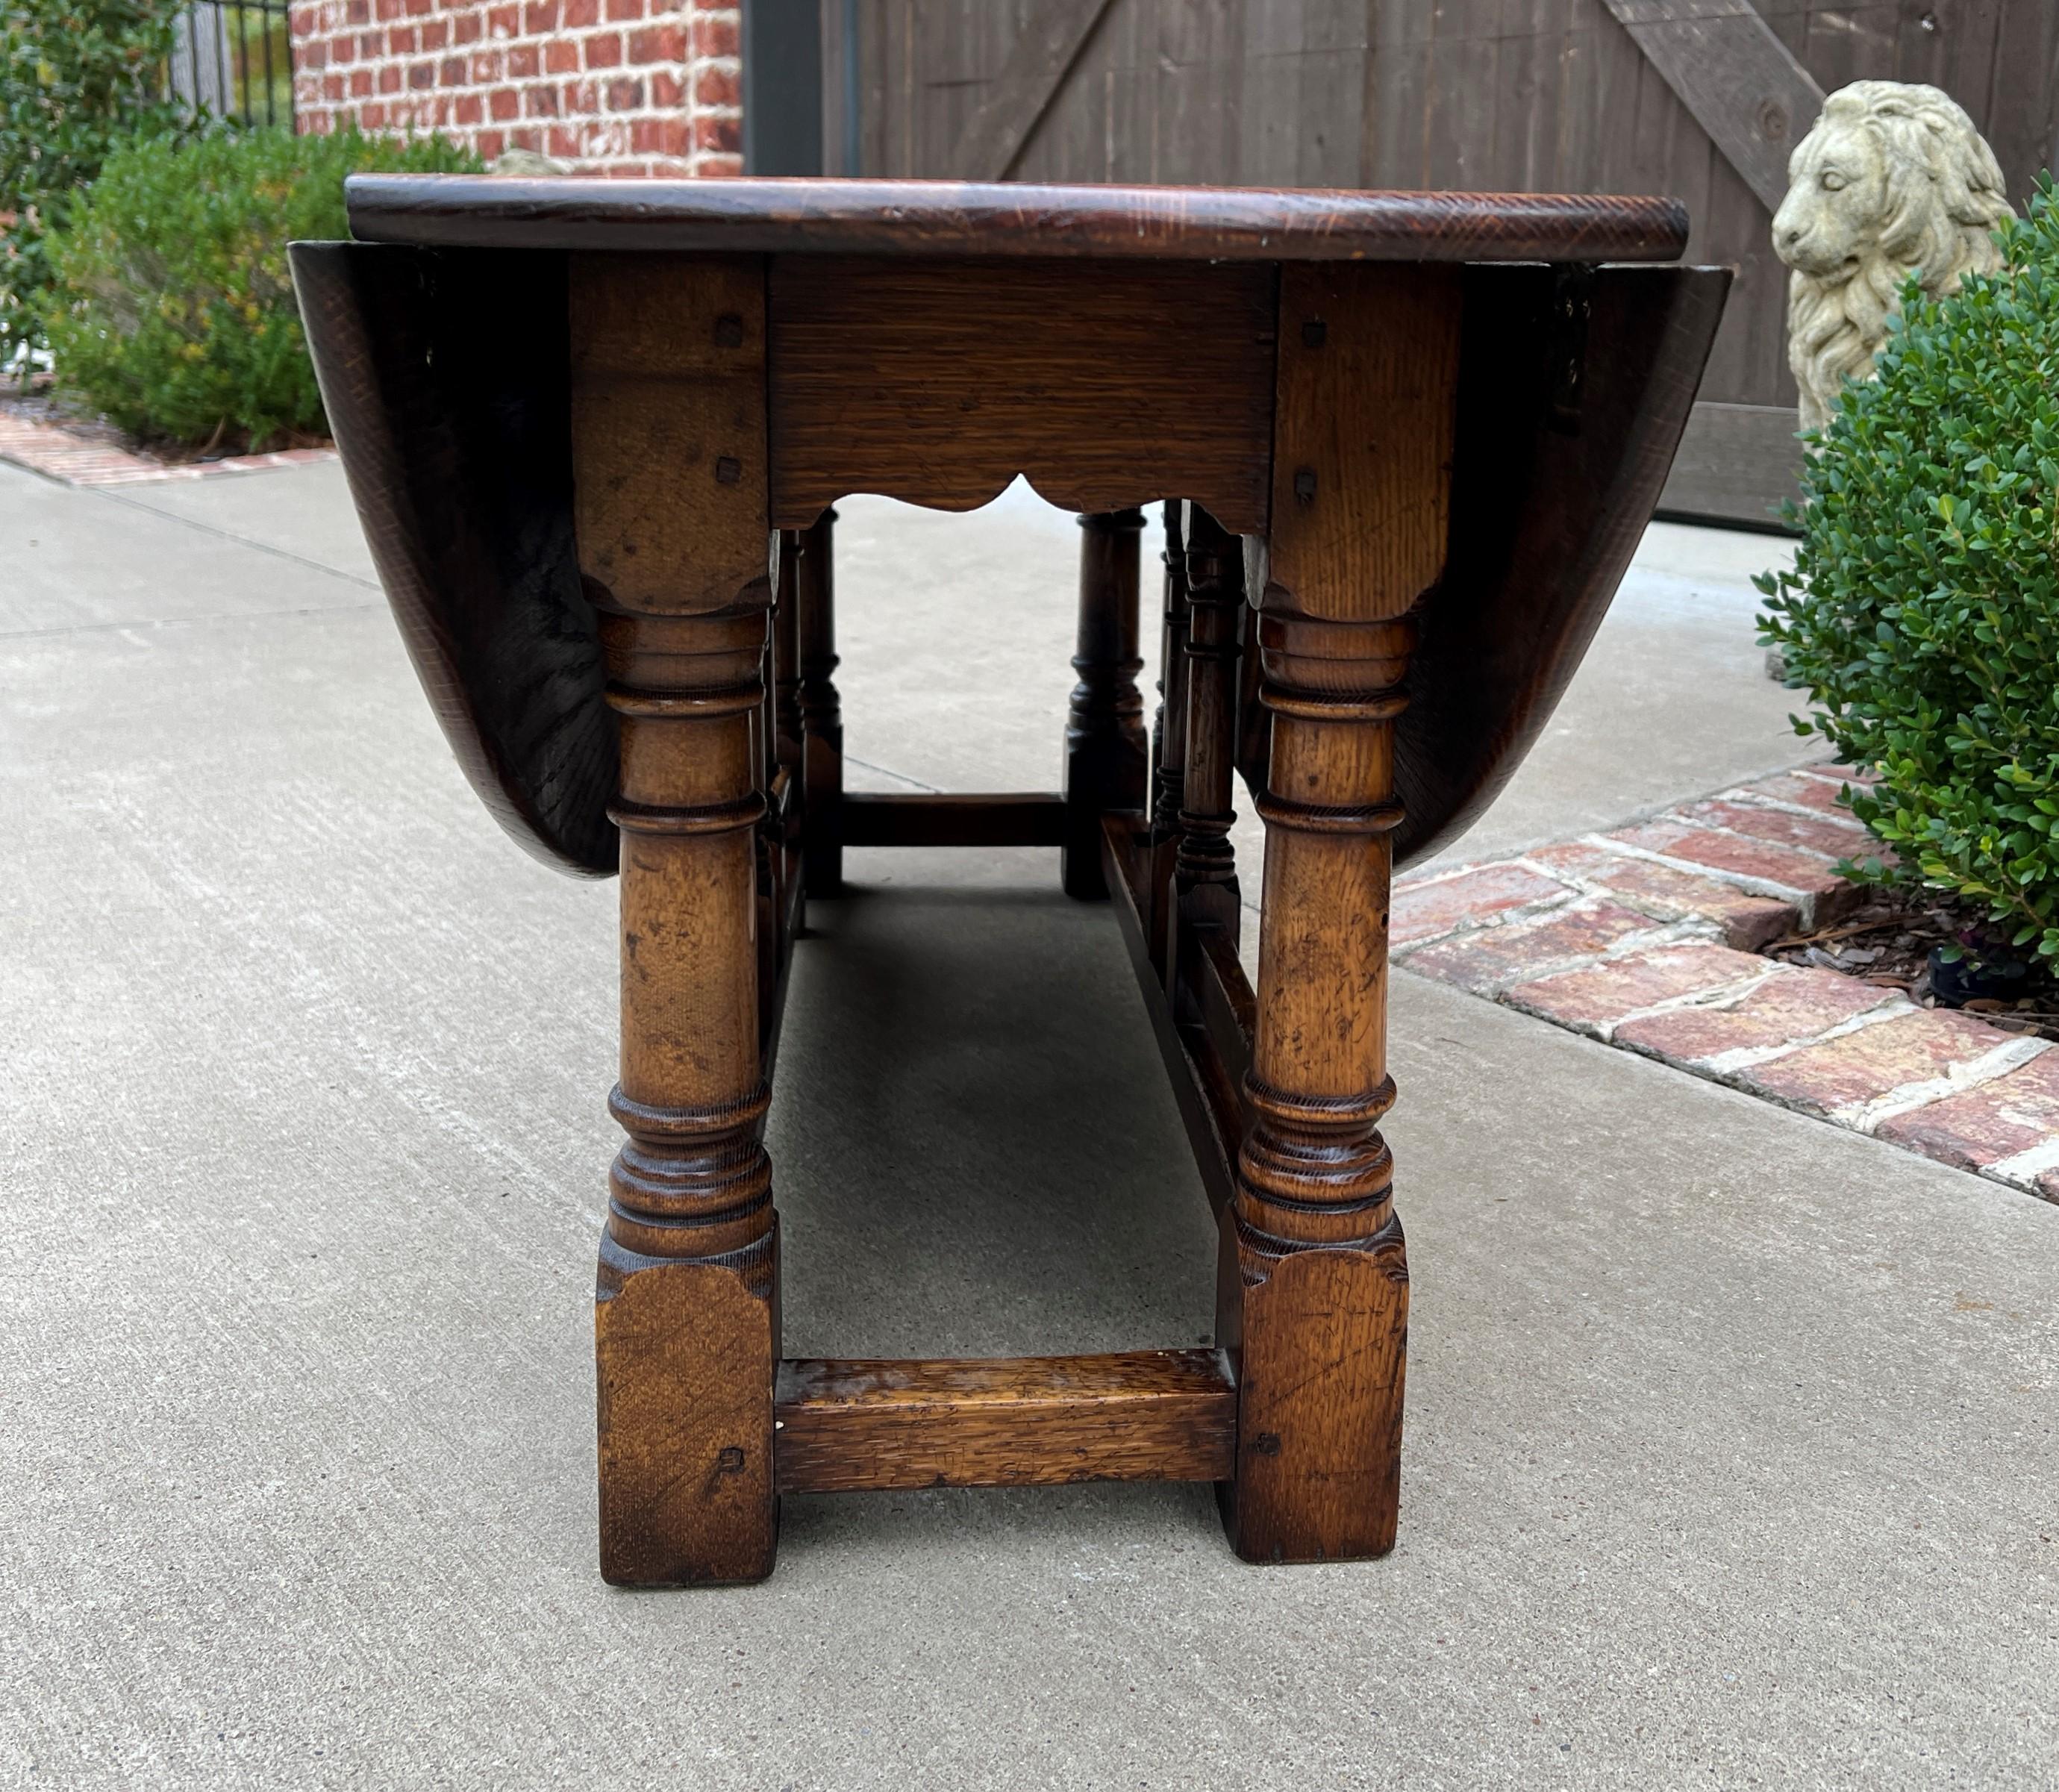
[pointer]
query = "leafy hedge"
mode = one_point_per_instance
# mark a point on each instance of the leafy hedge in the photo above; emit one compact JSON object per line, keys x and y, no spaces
{"x":77,"y":79}
{"x":1923,"y":609}
{"x":171,"y":308}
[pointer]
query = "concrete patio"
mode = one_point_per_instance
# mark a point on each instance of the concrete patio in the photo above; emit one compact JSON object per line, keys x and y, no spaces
{"x":1731,"y":1437}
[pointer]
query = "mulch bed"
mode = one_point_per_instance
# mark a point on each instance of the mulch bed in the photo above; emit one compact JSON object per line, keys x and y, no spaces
{"x":1887,"y":940}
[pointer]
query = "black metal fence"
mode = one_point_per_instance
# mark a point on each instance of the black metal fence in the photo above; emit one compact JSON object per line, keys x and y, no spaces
{"x":234,"y":59}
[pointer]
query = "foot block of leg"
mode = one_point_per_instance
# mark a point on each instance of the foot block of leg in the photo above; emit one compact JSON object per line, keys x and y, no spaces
{"x":1320,"y":1361}
{"x":686,"y":1355}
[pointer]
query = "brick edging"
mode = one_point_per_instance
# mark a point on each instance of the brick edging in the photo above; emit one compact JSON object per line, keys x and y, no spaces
{"x":73,"y":458}
{"x":1646,"y":937}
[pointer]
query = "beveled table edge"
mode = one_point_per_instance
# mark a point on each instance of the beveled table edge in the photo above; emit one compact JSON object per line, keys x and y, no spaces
{"x":951,"y":218}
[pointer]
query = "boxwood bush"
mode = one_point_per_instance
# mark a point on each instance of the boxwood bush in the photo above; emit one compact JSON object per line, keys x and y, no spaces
{"x":1923,"y":610}
{"x":77,"y":79}
{"x":172,"y":310}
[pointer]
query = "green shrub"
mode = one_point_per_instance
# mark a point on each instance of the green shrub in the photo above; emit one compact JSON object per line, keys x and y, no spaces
{"x":1923,"y":609}
{"x":172,"y":308}
{"x":77,"y":79}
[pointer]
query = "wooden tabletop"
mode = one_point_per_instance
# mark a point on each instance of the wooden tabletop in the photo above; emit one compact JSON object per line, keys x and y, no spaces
{"x":958,"y":219}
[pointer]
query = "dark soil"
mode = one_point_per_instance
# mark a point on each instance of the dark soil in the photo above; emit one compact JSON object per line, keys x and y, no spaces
{"x":1888,"y":940}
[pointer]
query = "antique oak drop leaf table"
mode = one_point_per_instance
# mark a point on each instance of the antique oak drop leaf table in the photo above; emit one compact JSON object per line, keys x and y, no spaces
{"x":1406,"y":443}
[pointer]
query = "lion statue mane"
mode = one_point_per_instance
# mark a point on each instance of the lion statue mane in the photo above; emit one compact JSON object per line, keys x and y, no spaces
{"x":1894,"y":179}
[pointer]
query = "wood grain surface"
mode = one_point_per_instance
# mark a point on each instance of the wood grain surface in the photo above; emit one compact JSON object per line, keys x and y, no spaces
{"x":668,"y":428}
{"x":928,"y":218}
{"x":950,"y":819}
{"x":1204,"y":1058}
{"x":1313,"y":1291}
{"x":1482,"y":96}
{"x":446,"y":386}
{"x":1530,"y":576}
{"x":937,"y":382}
{"x":427,"y":392}
{"x":684,"y":1353}
{"x":1157,"y":1416}
{"x":1361,"y":483}
{"x":1204,"y":883}
{"x":1323,"y":1361}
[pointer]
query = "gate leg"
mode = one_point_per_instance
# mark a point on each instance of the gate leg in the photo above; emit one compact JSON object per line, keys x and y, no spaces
{"x":1107,"y":754}
{"x":821,"y":712}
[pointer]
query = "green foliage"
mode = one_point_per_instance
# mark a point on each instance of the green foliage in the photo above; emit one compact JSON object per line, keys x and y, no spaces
{"x":77,"y":79}
{"x":173,"y":309}
{"x":1923,"y":610}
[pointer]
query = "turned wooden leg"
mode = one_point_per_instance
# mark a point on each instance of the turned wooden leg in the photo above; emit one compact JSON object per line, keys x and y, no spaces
{"x":1316,"y":1279}
{"x":687,"y":1324}
{"x":1168,"y":732}
{"x":821,"y":711}
{"x":1204,"y":886}
{"x":1169,"y":727}
{"x":786,"y":683}
{"x":1107,"y":756}
{"x":779,"y":841}
{"x":1313,"y":1299}
{"x":673,"y":547}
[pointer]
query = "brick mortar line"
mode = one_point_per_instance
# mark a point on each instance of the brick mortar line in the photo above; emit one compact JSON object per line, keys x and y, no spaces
{"x":1665,"y":811}
{"x":1724,"y":831}
{"x":2014,"y":1172}
{"x":1701,"y":824}
{"x":1655,"y":939}
{"x":1858,"y":1117}
{"x":1724,"y":1069}
{"x":1567,"y":895}
{"x":1802,"y":900}
{"x":1587,"y":885}
{"x":2013,"y":1054}
{"x":1426,"y":881}
{"x":2028,"y":1164}
{"x":686,"y":120}
{"x":1960,"y":1138}
{"x":1715,"y":998}
{"x":1891,"y":1006}
{"x":1576,"y":886}
{"x":1749,"y":798}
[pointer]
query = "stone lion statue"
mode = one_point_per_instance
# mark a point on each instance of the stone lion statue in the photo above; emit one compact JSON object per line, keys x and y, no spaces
{"x":1893,"y":179}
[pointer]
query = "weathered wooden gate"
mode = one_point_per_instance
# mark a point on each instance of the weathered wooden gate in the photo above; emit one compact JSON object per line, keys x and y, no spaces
{"x":1700,"y":98}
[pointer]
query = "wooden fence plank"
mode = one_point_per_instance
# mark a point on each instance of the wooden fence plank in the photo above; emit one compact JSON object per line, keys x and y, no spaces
{"x":1736,"y":461}
{"x":2022,"y":123}
{"x":1036,"y":69}
{"x":1741,"y":83}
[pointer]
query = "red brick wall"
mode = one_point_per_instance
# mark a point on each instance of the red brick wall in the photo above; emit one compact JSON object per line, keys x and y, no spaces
{"x":612,"y":86}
